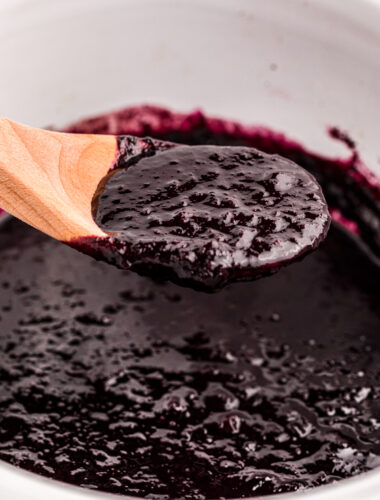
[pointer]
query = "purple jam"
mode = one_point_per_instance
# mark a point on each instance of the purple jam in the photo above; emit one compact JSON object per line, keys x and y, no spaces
{"x":205,"y":216}
{"x":114,"y":382}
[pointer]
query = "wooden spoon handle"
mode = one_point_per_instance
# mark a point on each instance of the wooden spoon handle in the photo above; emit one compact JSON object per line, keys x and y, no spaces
{"x":47,"y":179}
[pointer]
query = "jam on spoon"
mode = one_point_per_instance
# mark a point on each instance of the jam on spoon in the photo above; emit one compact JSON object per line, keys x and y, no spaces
{"x":198,"y":215}
{"x":204,"y":216}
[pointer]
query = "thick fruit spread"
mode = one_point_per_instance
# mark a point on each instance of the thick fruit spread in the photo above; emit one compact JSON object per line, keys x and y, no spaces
{"x":115,"y":382}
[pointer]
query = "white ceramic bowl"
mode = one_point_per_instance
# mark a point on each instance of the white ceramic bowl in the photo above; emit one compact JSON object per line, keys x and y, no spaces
{"x":294,"y":65}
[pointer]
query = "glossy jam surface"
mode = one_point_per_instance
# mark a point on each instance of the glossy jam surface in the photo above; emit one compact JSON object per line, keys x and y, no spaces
{"x":111,"y":381}
{"x":205,"y":215}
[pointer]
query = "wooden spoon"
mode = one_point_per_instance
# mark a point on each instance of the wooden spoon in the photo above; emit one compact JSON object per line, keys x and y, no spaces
{"x":48,"y":179}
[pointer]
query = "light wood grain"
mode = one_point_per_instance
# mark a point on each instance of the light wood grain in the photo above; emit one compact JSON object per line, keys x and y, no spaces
{"x":48,"y":179}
